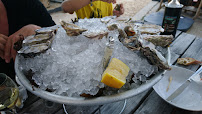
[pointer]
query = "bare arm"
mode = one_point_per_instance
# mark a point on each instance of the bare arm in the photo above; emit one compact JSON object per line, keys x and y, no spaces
{"x":69,"y":6}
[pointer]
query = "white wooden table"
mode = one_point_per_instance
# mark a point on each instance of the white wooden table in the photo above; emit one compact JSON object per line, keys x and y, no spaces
{"x":148,"y":102}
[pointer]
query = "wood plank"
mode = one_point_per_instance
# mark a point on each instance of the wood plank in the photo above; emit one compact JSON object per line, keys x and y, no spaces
{"x":131,"y":105}
{"x":154,"y":105}
{"x":194,"y":51}
{"x":178,"y":33}
{"x":40,"y":107}
{"x":79,"y":109}
{"x":30,"y":100}
{"x":140,"y":15}
{"x":176,"y":45}
{"x":182,"y":43}
{"x":61,"y":111}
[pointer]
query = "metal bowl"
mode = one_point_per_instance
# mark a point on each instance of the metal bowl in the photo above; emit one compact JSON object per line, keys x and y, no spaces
{"x":86,"y":101}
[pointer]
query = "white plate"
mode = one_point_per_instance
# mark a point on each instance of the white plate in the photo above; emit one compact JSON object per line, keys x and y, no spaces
{"x":189,"y":99}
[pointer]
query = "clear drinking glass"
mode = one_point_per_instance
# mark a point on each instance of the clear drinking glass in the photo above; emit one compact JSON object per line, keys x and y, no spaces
{"x":9,"y":93}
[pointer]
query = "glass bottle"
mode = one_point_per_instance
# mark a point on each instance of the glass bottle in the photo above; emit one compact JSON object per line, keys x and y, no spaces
{"x":171,"y":17}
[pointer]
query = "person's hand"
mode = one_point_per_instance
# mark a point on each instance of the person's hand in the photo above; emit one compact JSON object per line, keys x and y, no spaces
{"x":9,"y":52}
{"x":120,"y":12}
{"x":3,"y":40}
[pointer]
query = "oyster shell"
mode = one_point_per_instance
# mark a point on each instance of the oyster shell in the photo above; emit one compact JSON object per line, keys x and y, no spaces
{"x":159,"y":40}
{"x":72,"y":29}
{"x":37,"y":43}
{"x":93,"y":35}
{"x":112,"y":27}
{"x":153,"y":58}
{"x":129,"y":31}
{"x":106,"y":19}
{"x":150,"y":29}
{"x":36,"y":48}
{"x":38,"y":38}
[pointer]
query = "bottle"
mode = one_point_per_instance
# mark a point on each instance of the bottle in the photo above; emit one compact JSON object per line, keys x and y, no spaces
{"x":171,"y":17}
{"x":108,"y":52}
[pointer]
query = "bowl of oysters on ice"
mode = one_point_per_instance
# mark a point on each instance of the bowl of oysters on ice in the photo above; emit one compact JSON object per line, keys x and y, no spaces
{"x":92,"y":61}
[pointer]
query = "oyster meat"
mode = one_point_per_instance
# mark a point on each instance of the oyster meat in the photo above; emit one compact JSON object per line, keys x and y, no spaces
{"x":159,"y":40}
{"x":72,"y":29}
{"x":129,"y":31}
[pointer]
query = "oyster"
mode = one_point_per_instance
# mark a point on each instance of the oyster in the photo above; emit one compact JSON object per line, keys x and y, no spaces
{"x":72,"y":29}
{"x":122,"y":34}
{"x":117,"y":7}
{"x":38,"y":38}
{"x":18,"y":45}
{"x":106,"y":19}
{"x":37,"y":43}
{"x":93,"y":35}
{"x":153,"y":58}
{"x":112,"y":27}
{"x":150,"y":29}
{"x":129,"y":31}
{"x":159,"y":40}
{"x":148,"y":50}
{"x":36,"y":48}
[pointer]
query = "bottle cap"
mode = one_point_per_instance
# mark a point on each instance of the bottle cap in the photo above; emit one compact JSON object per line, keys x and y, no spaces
{"x":174,"y":4}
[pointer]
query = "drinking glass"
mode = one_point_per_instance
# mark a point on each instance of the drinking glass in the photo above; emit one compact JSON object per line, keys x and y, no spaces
{"x":9,"y":93}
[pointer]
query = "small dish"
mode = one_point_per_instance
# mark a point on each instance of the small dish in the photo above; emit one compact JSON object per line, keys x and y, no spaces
{"x":189,"y":99}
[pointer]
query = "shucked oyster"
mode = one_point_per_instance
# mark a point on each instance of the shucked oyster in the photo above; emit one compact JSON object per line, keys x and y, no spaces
{"x":159,"y":40}
{"x":93,"y":35}
{"x":72,"y":29}
{"x":150,"y":29}
{"x":37,"y":43}
{"x":38,"y":38}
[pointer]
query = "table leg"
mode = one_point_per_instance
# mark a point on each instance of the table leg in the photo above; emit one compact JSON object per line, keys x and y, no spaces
{"x":160,"y":6}
{"x":198,"y":10}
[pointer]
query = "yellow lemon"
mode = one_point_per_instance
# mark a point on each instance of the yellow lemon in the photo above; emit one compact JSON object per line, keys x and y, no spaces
{"x":115,"y":74}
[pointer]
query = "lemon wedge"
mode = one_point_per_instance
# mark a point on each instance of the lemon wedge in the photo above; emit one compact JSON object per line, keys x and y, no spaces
{"x":115,"y":74}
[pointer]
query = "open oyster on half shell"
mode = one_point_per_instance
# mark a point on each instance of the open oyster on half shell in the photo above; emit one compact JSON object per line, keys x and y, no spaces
{"x":97,"y":35}
{"x":72,"y":29}
{"x":37,"y":43}
{"x":159,"y":40}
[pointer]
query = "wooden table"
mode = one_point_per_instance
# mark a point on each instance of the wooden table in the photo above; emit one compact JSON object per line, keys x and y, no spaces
{"x":148,"y":102}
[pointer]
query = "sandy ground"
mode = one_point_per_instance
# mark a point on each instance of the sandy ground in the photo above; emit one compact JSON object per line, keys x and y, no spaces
{"x":131,"y":8}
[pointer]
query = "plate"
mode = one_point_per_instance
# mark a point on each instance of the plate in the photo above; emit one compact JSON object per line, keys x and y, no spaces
{"x":189,"y":99}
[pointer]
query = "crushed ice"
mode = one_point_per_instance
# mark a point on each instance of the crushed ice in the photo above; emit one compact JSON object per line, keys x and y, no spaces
{"x":73,"y":65}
